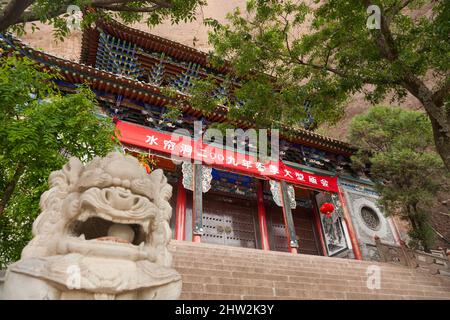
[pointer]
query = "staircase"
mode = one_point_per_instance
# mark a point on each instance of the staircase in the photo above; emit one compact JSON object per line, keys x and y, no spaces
{"x":223,"y":273}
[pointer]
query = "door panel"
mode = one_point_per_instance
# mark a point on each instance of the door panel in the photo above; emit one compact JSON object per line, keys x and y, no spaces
{"x":304,"y":228}
{"x":212,"y":223}
{"x":239,"y":229}
{"x":277,"y":228}
{"x":228,"y":221}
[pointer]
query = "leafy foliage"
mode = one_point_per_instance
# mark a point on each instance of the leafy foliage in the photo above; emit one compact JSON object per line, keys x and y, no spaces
{"x":397,"y":147}
{"x":39,"y":128}
{"x":286,"y":53}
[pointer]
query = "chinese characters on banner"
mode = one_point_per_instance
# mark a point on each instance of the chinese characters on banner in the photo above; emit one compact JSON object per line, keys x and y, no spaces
{"x":186,"y":147}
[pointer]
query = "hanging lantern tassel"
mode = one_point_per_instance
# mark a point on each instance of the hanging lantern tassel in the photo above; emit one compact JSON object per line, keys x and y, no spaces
{"x":327,"y":209}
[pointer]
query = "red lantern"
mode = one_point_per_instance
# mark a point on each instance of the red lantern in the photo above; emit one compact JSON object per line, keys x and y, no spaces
{"x":327,"y":209}
{"x":147,"y":168}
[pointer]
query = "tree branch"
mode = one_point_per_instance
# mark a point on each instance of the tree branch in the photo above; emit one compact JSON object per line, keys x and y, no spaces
{"x":442,"y":92}
{"x":161,"y":3}
{"x":324,"y":67}
{"x":314,"y":66}
{"x":10,"y":187}
{"x":127,"y":8}
{"x":395,"y":9}
{"x":30,"y":16}
{"x":13,"y":9}
{"x":117,"y":5}
{"x":418,"y":89}
{"x":14,"y":12}
{"x":384,"y":39}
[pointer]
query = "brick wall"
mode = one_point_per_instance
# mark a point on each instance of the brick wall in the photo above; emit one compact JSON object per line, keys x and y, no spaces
{"x":219,"y":272}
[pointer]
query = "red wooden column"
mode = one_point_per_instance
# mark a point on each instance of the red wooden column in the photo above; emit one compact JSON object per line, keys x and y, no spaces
{"x":262,"y":217}
{"x":288,"y":221}
{"x":180,"y":218}
{"x":351,"y":229}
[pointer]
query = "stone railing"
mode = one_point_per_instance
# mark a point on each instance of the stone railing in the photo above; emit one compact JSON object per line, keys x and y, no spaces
{"x":435,"y":263}
{"x":393,"y":253}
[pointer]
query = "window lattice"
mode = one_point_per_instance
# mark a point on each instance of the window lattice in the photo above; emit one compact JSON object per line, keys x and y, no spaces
{"x":370,"y":218}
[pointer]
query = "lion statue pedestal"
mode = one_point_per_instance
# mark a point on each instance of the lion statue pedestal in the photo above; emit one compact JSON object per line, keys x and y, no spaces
{"x":102,"y":234}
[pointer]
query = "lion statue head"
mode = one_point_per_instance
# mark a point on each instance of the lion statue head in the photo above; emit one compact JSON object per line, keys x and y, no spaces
{"x":102,"y":233}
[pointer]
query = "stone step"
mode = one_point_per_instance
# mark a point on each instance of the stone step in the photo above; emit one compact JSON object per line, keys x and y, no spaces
{"x":294,"y":282}
{"x":320,"y":272}
{"x":274,"y":267}
{"x":284,"y":260}
{"x":278,"y":286}
{"x":353,"y":280}
{"x":221,"y":273}
{"x":299,"y":261}
{"x":300,"y":270}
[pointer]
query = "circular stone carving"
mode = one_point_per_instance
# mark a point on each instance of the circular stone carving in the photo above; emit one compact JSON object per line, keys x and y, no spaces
{"x":370,"y":218}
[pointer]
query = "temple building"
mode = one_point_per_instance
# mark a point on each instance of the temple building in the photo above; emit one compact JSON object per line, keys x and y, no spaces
{"x":226,"y":196}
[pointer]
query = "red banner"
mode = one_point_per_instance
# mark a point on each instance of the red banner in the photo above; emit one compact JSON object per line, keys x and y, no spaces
{"x":181,"y":146}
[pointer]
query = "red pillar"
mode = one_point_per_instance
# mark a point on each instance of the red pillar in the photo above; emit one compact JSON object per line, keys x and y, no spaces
{"x":318,"y":224}
{"x":180,"y":218}
{"x":262,"y":217}
{"x":351,"y":229}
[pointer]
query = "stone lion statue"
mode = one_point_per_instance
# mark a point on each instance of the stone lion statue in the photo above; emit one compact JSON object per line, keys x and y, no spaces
{"x":102,"y":234}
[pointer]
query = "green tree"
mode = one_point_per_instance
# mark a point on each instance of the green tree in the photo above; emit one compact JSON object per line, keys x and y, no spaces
{"x":15,"y":13}
{"x":39,"y":128}
{"x":397,"y":147}
{"x":286,"y":53}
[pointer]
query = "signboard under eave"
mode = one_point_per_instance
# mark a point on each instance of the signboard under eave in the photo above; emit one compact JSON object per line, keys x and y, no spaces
{"x":182,"y":147}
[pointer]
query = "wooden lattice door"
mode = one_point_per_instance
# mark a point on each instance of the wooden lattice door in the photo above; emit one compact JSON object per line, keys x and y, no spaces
{"x":277,"y":227}
{"x":213,"y":223}
{"x":304,"y":228}
{"x":228,"y":221}
{"x":239,"y":228}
